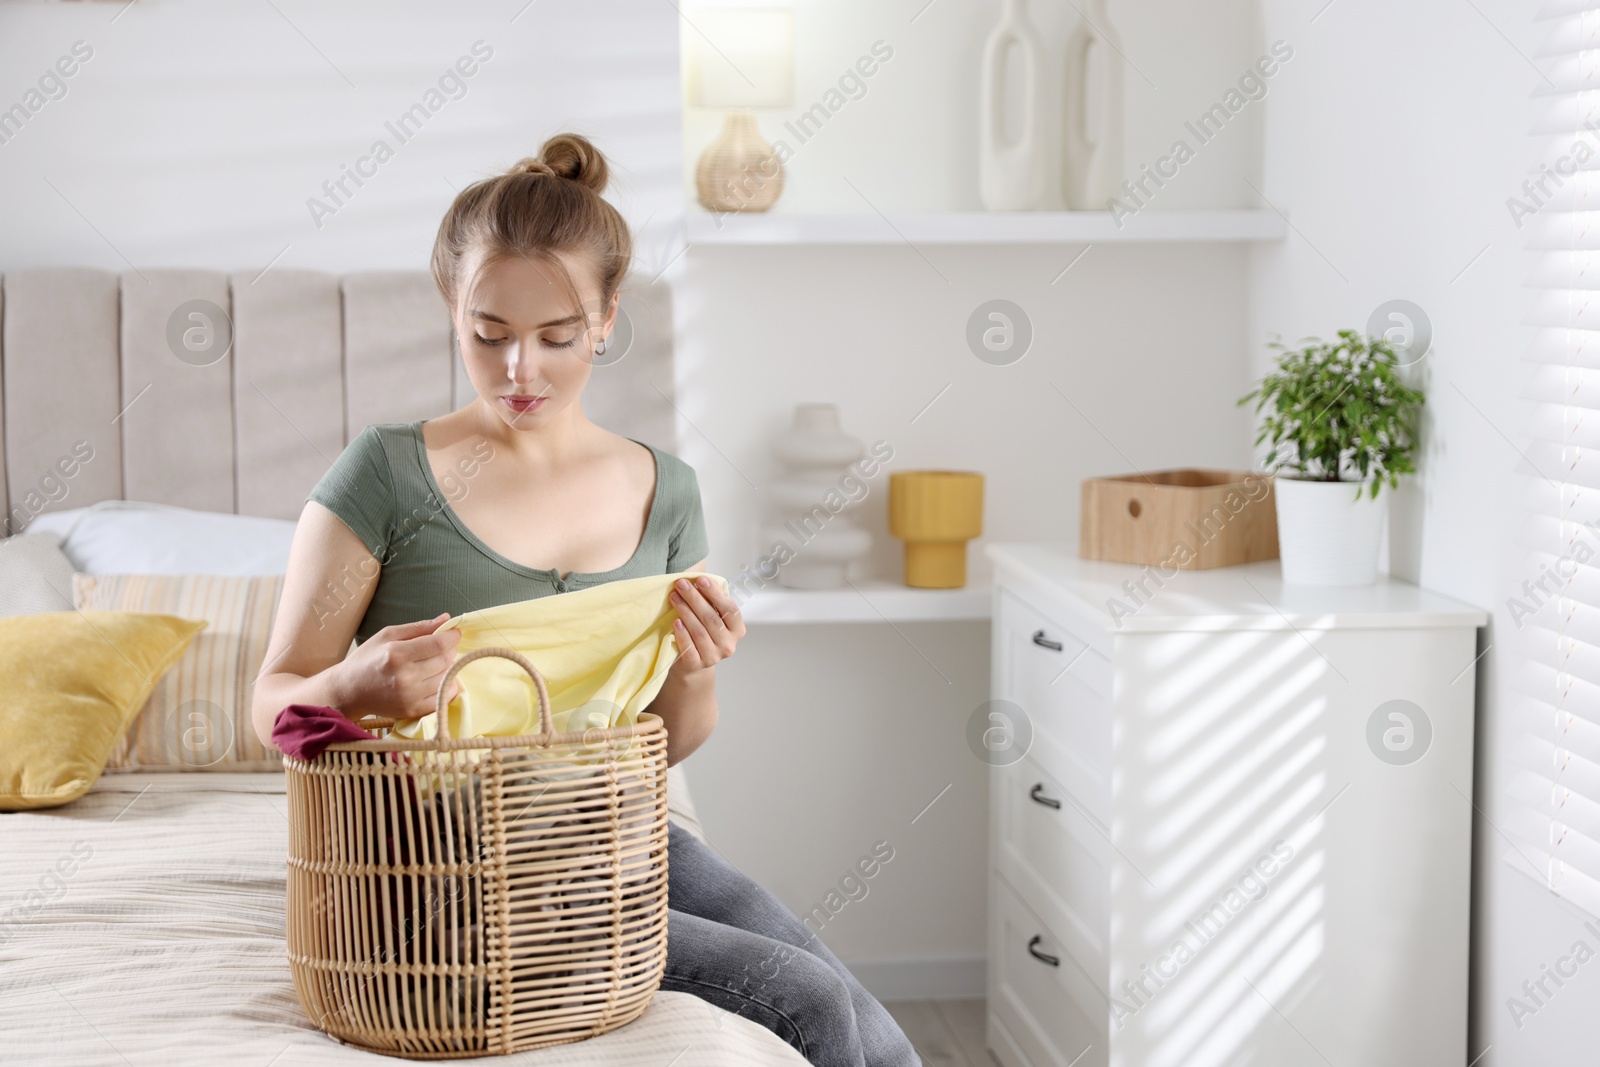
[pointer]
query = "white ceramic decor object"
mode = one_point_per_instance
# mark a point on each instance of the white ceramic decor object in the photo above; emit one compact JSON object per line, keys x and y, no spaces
{"x":1326,"y":534}
{"x":1091,"y":164}
{"x":1011,"y":169}
{"x":808,"y":505}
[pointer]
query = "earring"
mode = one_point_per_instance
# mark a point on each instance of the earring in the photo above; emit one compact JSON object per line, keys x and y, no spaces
{"x":600,"y":349}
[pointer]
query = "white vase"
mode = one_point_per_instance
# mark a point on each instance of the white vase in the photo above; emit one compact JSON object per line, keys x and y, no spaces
{"x":1091,"y":152}
{"x":1326,"y":534}
{"x":1011,"y":170}
{"x":807,"y":504}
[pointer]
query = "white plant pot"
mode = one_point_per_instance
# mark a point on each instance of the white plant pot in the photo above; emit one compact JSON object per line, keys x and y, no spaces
{"x":1326,"y":536}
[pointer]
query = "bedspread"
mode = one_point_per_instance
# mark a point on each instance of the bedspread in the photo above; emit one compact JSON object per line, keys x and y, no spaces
{"x":144,"y":924}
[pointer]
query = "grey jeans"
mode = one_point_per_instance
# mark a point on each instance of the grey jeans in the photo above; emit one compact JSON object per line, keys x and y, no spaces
{"x":732,"y":943}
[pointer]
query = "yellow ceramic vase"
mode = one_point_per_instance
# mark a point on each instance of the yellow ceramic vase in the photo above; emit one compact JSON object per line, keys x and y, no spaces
{"x":936,"y":513}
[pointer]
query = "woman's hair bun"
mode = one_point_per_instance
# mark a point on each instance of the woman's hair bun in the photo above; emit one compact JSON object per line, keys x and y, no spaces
{"x":531,"y":165}
{"x":570,"y":156}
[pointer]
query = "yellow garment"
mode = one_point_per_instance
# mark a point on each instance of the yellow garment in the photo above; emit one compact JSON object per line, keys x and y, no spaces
{"x":604,"y":653}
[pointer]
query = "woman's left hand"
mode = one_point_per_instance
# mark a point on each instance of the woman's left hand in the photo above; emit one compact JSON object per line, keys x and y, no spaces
{"x":709,"y":623}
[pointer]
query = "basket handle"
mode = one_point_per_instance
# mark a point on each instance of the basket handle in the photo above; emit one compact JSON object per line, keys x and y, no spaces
{"x":504,"y":653}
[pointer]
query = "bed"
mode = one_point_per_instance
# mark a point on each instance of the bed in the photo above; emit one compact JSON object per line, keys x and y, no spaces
{"x":144,"y":922}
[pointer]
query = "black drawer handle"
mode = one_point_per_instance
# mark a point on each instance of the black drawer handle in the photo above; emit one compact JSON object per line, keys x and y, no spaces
{"x":1036,"y":794}
{"x":1044,"y":642}
{"x":1042,"y":957}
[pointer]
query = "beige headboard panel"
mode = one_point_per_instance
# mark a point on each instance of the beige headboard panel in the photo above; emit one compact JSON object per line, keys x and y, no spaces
{"x":88,"y":369}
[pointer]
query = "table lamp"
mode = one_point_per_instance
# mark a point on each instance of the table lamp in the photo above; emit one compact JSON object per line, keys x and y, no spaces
{"x":742,"y":58}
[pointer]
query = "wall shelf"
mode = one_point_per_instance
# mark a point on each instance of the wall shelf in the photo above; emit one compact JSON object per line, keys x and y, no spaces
{"x":871,"y":601}
{"x":981,"y":227}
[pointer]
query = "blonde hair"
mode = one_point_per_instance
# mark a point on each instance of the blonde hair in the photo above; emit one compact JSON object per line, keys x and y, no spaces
{"x":543,"y":206}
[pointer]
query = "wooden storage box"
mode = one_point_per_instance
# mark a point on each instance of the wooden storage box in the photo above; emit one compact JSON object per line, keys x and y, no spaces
{"x":1191,"y":519}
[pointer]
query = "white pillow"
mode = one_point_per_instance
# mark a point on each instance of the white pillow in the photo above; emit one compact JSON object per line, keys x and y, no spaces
{"x":34,"y":575}
{"x":130,"y":537}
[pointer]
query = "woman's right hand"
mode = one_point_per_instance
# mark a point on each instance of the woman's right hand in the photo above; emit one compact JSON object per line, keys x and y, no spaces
{"x":396,"y":672}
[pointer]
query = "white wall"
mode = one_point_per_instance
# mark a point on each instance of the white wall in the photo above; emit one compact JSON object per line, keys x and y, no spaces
{"x":833,"y":738}
{"x":196,"y":133}
{"x":1393,"y":144}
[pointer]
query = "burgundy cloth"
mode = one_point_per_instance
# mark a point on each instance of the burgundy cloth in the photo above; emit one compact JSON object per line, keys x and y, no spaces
{"x":304,"y":730}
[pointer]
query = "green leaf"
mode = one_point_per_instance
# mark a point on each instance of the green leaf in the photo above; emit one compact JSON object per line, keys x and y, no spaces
{"x":1338,"y":410}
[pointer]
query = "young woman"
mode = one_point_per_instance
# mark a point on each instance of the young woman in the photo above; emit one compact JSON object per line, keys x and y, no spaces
{"x":540,"y":501}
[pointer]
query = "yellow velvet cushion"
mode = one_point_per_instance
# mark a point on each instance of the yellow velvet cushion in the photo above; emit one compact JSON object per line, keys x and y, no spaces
{"x":70,"y":683}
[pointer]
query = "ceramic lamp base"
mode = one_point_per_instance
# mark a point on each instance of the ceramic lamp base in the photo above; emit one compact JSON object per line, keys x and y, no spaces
{"x":936,"y":564}
{"x":739,"y":171}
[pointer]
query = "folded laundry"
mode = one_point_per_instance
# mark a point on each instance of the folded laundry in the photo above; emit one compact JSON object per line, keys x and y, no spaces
{"x":304,"y":730}
{"x":604,"y":653}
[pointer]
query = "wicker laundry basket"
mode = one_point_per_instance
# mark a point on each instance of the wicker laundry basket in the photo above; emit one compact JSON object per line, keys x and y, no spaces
{"x":459,"y":897}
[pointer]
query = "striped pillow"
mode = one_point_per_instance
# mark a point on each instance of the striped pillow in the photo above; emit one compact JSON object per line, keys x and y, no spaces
{"x":198,"y":715}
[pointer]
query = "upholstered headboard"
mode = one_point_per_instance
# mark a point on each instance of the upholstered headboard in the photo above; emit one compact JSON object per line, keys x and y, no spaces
{"x":103,"y":397}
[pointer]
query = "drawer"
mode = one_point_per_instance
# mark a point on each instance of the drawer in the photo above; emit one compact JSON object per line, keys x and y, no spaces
{"x":1056,"y":860}
{"x":1076,"y":656}
{"x":1071,"y":720}
{"x":1051,"y":1009}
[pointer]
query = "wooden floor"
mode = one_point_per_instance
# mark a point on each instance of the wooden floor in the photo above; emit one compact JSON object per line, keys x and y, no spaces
{"x":947,"y":1033}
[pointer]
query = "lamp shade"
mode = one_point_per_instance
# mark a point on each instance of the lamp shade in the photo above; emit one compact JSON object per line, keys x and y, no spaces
{"x":741,"y":56}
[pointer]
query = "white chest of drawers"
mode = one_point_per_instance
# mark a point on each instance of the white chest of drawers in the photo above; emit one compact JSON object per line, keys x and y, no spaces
{"x":1230,"y":819}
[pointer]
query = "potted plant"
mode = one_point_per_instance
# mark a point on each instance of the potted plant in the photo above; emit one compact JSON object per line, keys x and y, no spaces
{"x":1341,"y":425}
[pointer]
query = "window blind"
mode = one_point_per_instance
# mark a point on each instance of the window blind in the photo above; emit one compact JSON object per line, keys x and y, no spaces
{"x":1553,"y":826}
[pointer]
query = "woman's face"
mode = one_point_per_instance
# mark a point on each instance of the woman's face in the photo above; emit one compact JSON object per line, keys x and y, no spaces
{"x":528,"y":350}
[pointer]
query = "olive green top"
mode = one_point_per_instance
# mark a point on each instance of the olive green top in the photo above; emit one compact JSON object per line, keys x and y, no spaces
{"x":382,"y":487}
